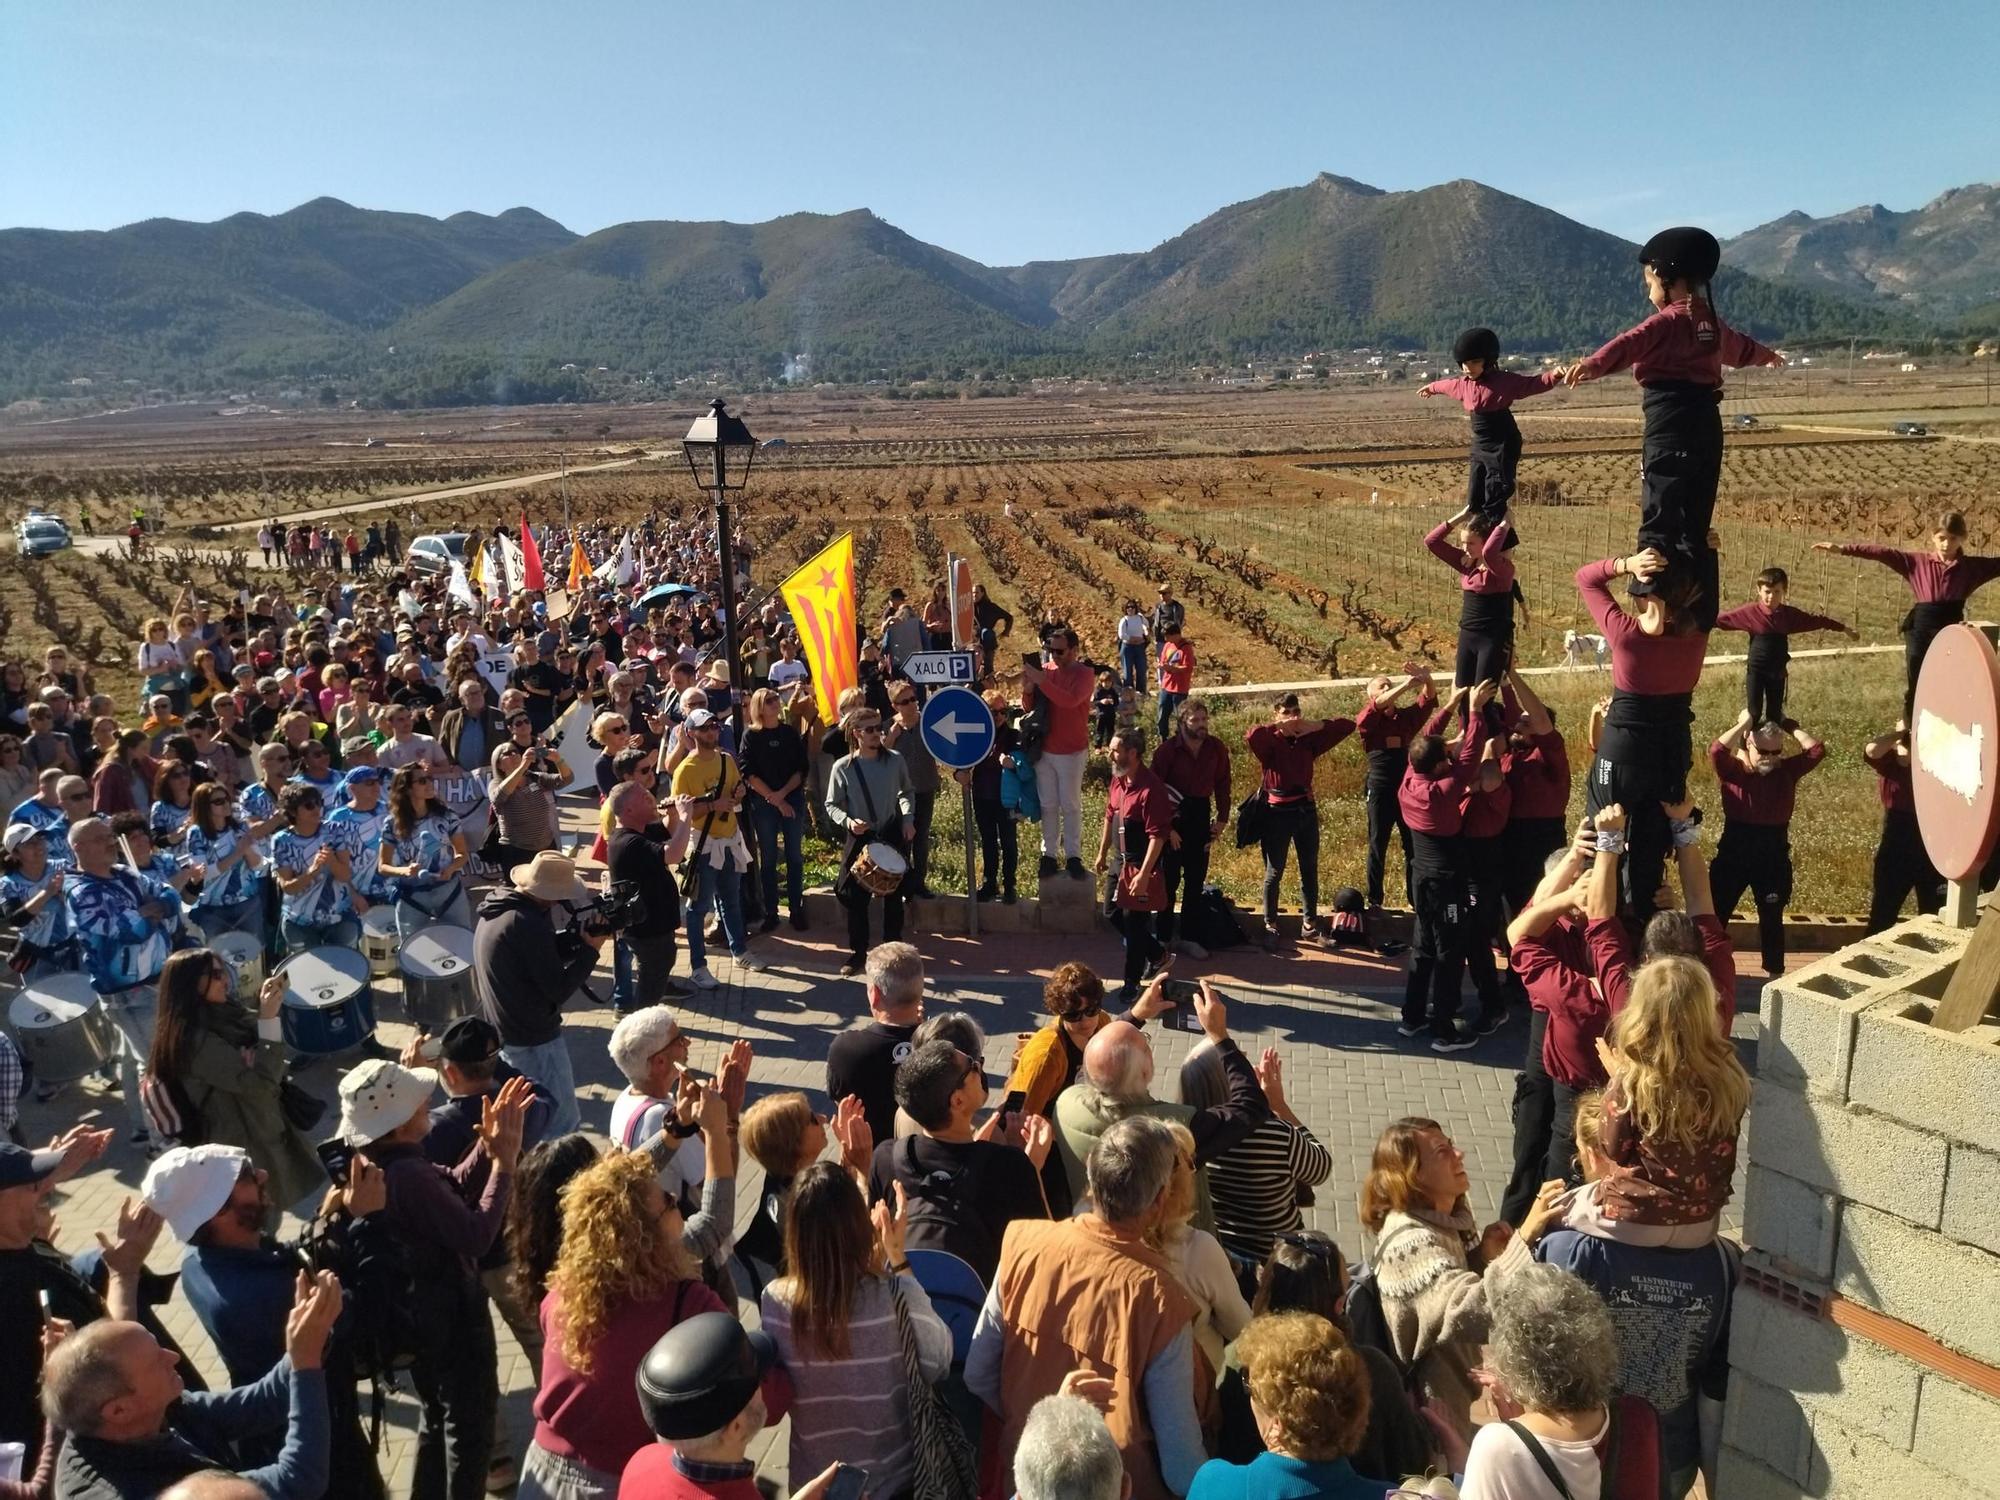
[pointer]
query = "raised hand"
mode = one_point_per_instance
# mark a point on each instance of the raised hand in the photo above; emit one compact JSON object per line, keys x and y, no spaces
{"x":1611,"y":819}
{"x":1096,"y":1389}
{"x":138,"y":1229}
{"x":733,"y":1077}
{"x":367,"y":1190}
{"x":850,"y":1129}
{"x":413,"y":1050}
{"x":80,"y":1146}
{"x":889,"y":1225}
{"x":315,"y":1307}
{"x":1211,"y":1012}
{"x":1038,"y":1136}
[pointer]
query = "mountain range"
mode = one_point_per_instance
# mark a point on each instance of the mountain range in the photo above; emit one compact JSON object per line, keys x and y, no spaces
{"x":415,"y":310}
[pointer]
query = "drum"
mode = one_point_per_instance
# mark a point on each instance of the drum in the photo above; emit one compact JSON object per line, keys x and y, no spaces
{"x":329,"y":1005}
{"x":245,"y":956}
{"x":62,"y":1028}
{"x":437,"y":976}
{"x":378,"y":939}
{"x":878,"y":870}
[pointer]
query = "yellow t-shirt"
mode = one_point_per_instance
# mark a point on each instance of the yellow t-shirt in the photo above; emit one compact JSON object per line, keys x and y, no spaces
{"x":697,"y":776}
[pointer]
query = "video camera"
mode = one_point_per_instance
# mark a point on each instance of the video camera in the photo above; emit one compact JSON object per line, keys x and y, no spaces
{"x":622,"y":906}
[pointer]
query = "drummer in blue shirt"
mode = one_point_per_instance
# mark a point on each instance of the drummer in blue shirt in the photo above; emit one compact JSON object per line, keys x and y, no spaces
{"x":314,"y":874}
{"x":123,"y":930}
{"x":356,"y":822}
{"x":44,"y":811}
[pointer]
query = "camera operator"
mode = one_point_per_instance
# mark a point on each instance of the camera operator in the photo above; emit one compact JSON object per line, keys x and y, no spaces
{"x":639,"y":849}
{"x":522,"y":973}
{"x":526,"y":777}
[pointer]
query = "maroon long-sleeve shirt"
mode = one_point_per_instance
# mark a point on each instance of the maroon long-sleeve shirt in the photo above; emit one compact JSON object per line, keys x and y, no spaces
{"x":1390,"y":728}
{"x":1763,"y":801}
{"x":1483,"y":814}
{"x":1495,"y":390}
{"x":1539,"y":776}
{"x":1200,"y":774}
{"x":1782,"y":619}
{"x":1611,"y":961}
{"x":1930,"y":579}
{"x":1431,"y":804}
{"x":1492,"y":574}
{"x":1651,"y":665}
{"x":1555,"y":971}
{"x":1892,"y":782}
{"x":1288,"y":759}
{"x":435,"y":1207}
{"x":1683,"y":341}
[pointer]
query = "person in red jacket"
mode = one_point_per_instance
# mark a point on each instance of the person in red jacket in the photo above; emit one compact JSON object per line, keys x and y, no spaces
{"x":1288,"y":747}
{"x":1176,"y":677}
{"x":1063,"y":684}
{"x":1386,"y":731}
{"x":1770,"y":622}
{"x":1760,"y":786}
{"x":1902,"y":864}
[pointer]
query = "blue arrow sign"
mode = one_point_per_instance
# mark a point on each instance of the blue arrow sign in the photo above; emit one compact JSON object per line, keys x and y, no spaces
{"x":957,"y":728}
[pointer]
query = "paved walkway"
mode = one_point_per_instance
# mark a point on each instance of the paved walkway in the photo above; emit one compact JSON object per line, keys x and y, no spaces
{"x":1332,"y":1018}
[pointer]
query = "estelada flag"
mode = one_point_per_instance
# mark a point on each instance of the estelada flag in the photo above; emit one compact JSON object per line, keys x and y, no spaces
{"x":579,"y":568}
{"x":821,"y":598}
{"x":531,"y":560}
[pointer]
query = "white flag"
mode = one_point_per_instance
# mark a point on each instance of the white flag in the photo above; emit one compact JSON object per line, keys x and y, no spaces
{"x":460,"y":587}
{"x":513,"y":567}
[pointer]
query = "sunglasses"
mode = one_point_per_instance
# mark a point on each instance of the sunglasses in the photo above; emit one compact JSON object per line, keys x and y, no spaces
{"x":76,"y":796}
{"x":867,"y":728}
{"x":1082,"y":1013}
{"x":904,"y":702}
{"x":420,"y":781}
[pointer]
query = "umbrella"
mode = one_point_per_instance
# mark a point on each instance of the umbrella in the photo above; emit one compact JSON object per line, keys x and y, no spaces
{"x":666,"y":593}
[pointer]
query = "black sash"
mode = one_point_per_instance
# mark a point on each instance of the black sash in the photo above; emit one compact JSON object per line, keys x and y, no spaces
{"x":1490,"y":615}
{"x":1494,"y":430}
{"x":1769,"y":653}
{"x":1928,"y":617}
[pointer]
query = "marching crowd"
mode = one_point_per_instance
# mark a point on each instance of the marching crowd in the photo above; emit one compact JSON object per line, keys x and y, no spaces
{"x":1097,"y":1284}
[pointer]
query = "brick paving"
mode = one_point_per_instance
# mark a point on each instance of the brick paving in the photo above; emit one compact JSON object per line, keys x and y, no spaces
{"x":1332,"y":1018}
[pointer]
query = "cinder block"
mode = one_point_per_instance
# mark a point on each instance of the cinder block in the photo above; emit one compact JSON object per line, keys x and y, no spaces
{"x":1972,"y":1198}
{"x":1741,"y":1477}
{"x":1851,"y":1465}
{"x":1936,"y":1080}
{"x":1848,"y":1153}
{"x":1769,"y":1425}
{"x":1949,"y":1290}
{"x":1809,"y":1028}
{"x":1957,"y":1431}
{"x":1790,"y":1222}
{"x":1859,"y":1385}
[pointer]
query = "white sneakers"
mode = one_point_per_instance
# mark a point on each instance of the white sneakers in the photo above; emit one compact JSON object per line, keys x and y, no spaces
{"x":749,"y":961}
{"x":701,"y":979}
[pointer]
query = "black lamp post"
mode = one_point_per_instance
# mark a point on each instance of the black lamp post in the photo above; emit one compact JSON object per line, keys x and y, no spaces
{"x":719,"y":451}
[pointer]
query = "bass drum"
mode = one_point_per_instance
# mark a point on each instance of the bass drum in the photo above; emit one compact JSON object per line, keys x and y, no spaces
{"x":378,"y":939}
{"x":245,"y":957}
{"x":437,"y":976}
{"x":329,"y":1004}
{"x":62,"y":1028}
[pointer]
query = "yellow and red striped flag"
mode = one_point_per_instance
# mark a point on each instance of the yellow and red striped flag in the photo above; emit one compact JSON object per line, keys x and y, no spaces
{"x":579,"y":568}
{"x":821,"y":598}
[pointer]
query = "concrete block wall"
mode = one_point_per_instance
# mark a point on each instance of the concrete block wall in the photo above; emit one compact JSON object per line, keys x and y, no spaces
{"x":1873,"y":1156}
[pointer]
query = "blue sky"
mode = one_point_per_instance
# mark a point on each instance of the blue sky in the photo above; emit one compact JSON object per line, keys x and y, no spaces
{"x":1002,"y":131}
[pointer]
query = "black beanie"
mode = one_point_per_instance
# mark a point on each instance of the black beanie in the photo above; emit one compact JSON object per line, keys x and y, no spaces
{"x":1476,"y":343}
{"x":1683,"y":254}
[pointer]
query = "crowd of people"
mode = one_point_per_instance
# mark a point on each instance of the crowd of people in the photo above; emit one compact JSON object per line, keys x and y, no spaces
{"x":1092,"y":1284}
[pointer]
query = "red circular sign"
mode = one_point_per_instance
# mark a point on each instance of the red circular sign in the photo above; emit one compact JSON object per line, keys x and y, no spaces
{"x":1955,"y":751}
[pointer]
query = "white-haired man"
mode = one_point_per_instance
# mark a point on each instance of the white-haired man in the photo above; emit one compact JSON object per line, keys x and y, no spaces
{"x":1067,"y":1453}
{"x":688,"y":1130}
{"x":863,"y":1062}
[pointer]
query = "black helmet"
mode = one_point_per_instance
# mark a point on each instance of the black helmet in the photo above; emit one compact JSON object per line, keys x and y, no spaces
{"x":1683,"y":254}
{"x":701,"y":1373}
{"x":1476,"y":343}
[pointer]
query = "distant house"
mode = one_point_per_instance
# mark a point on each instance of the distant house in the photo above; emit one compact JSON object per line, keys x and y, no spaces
{"x":82,"y":382}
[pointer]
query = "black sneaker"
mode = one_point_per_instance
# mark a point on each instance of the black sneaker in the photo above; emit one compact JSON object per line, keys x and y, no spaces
{"x":769,"y":924}
{"x":1491,"y":1021}
{"x":1048,"y":866}
{"x":799,"y":922}
{"x":1454,"y":1040}
{"x":987,"y":893}
{"x":1007,"y":897}
{"x":1075,"y":870}
{"x":1405,"y":1028}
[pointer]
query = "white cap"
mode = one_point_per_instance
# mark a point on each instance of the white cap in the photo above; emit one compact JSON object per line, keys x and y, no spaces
{"x":378,"y":1096}
{"x":18,"y":834}
{"x":188,"y":1185}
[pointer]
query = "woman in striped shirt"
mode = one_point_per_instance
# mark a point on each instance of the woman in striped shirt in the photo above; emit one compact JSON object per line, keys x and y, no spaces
{"x":833,"y":1318}
{"x":1256,"y":1186}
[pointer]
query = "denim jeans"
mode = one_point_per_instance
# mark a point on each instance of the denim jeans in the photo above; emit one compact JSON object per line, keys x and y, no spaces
{"x":1170,"y":704}
{"x":548,"y":1064}
{"x":721,"y":885}
{"x":133,"y":1012}
{"x":1132,"y":658}
{"x":621,"y":977}
{"x":345,"y":933}
{"x":771,"y":826}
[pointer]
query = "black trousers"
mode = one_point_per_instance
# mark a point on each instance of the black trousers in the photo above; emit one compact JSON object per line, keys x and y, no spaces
{"x":457,"y":1385}
{"x":1294,"y":825}
{"x":1385,"y":816}
{"x":1492,"y":463}
{"x":1544,"y":1114}
{"x":1757,"y":859}
{"x":923,"y":810}
{"x":1902,"y":866}
{"x":1485,"y":873}
{"x":999,"y":845}
{"x":1142,"y":944}
{"x":1680,"y":467}
{"x":1639,"y":789}
{"x":1186,"y":868}
{"x":855,"y":897}
{"x":1438,"y":950}
{"x":1920,"y":628}
{"x":1482,"y":656}
{"x":1764,"y":693}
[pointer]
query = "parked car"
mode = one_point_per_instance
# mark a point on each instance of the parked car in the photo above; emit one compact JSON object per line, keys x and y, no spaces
{"x":1744,"y":419}
{"x":434,"y":554}
{"x":38,"y":535}
{"x":1910,"y":429}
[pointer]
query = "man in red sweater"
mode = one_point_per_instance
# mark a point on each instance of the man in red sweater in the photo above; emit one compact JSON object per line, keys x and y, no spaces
{"x":1176,"y":677}
{"x":1064,"y":684}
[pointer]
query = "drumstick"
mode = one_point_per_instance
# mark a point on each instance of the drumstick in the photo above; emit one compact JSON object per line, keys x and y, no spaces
{"x":125,"y":844}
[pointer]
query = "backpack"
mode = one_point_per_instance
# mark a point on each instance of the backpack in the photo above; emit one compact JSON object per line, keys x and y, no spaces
{"x":943,"y":1213}
{"x":170,"y":1113}
{"x":1370,"y":1327}
{"x":384,"y":1324}
{"x":1215,"y":924}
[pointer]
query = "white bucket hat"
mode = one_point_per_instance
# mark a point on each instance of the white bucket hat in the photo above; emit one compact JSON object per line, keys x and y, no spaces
{"x":188,"y":1185}
{"x":551,"y":877}
{"x":378,"y":1096}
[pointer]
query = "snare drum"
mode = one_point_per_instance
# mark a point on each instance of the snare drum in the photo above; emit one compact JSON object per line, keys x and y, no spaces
{"x":437,"y":976}
{"x":245,"y":956}
{"x":329,"y":1005}
{"x":879,"y":870}
{"x":62,"y":1028}
{"x":378,"y":939}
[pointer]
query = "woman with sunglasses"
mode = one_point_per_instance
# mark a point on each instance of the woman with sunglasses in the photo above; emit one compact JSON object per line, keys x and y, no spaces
{"x":17,"y":777}
{"x":223,"y":1068}
{"x":231,"y":898}
{"x":423,"y":851}
{"x":612,"y":732}
{"x":173,"y":803}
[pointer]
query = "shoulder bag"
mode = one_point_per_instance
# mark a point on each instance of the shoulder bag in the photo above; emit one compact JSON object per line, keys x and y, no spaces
{"x":691,"y":866}
{"x":943,"y":1465}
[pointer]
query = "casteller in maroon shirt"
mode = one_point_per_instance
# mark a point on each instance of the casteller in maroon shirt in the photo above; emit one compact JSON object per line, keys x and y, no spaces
{"x":1555,"y":971}
{"x":1683,"y":341}
{"x":1391,"y":728}
{"x":1538,"y":773}
{"x":1932,"y":580}
{"x":1483,"y":813}
{"x":1611,"y":960}
{"x":1649,"y":665}
{"x":1431,"y":804}
{"x":1764,"y":800}
{"x":1288,"y":759}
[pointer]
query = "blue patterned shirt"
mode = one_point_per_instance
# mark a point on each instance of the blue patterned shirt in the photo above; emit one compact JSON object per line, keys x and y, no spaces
{"x":167,"y":820}
{"x":54,"y":827}
{"x":359,"y":835}
{"x":238,"y":882}
{"x":50,"y":927}
{"x":428,"y":847}
{"x":324,"y":899}
{"x":121,"y":947}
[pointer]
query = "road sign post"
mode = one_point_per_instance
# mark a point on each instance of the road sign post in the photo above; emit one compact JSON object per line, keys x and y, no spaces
{"x":958,"y":731}
{"x":940,"y":668}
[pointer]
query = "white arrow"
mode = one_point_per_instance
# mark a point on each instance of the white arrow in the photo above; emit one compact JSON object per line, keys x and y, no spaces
{"x":951,"y":727}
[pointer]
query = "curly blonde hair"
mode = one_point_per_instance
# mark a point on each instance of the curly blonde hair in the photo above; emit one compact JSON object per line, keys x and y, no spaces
{"x":1677,"y":1074}
{"x":615,"y":1250}
{"x":1304,"y":1376}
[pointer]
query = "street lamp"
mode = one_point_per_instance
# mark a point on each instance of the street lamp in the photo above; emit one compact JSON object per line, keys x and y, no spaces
{"x":720,"y":451}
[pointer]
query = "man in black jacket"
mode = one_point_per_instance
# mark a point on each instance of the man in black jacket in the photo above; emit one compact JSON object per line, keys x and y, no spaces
{"x":522,"y":975}
{"x":638,"y":855}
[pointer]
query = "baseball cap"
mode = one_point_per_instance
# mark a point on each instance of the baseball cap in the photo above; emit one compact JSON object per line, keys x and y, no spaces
{"x":188,"y":1185}
{"x":19,"y":1166}
{"x":360,"y":774}
{"x":16,"y":835}
{"x":701,"y":1373}
{"x":701,"y":718}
